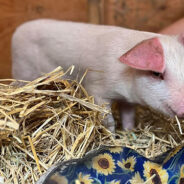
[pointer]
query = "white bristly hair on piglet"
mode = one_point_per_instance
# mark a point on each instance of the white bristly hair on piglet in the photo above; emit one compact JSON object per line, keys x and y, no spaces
{"x":134,"y":67}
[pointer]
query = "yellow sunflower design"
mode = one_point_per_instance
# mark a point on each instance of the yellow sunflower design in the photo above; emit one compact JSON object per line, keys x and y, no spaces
{"x":116,"y":149}
{"x":128,"y":164}
{"x":181,"y":178}
{"x":103,"y":164}
{"x":161,"y":175}
{"x":84,"y":179}
{"x":136,"y":179}
{"x":56,"y":178}
{"x":115,"y":182}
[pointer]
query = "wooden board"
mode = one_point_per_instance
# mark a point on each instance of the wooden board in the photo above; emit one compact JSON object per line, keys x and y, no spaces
{"x":15,"y":12}
{"x":147,"y":15}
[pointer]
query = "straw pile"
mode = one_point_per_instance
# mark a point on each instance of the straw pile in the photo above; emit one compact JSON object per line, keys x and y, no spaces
{"x":52,"y":119}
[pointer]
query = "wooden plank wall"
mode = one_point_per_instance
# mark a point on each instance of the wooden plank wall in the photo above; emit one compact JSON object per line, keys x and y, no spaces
{"x":15,"y":12}
{"x":148,"y":15}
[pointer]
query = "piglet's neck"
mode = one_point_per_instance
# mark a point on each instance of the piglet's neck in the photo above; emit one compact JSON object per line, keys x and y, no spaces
{"x":123,"y":83}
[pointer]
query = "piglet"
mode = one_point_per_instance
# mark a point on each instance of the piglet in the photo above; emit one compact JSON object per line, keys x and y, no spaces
{"x":131,"y":66}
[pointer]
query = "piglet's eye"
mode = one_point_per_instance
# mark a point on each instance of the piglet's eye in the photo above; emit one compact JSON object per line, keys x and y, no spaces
{"x":158,"y":75}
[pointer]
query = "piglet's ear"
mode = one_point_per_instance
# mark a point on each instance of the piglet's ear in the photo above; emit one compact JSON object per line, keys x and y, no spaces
{"x":147,"y":55}
{"x":181,"y":38}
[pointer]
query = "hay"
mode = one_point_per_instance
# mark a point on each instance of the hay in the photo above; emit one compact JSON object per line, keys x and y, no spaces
{"x":52,"y":119}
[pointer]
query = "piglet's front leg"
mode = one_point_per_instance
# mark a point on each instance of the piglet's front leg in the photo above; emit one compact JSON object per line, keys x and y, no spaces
{"x":108,"y":121}
{"x":127,"y":113}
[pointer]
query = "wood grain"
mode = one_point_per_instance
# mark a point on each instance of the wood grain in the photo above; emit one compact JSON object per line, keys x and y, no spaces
{"x":147,"y":15}
{"x":94,"y":11}
{"x":15,"y":12}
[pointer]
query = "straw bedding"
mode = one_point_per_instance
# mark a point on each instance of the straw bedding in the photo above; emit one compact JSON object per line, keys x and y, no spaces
{"x":52,"y":119}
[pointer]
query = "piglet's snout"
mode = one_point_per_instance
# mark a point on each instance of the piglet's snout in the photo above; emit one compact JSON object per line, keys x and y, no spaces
{"x":177,"y":102}
{"x":180,"y":113}
{"x":179,"y":110}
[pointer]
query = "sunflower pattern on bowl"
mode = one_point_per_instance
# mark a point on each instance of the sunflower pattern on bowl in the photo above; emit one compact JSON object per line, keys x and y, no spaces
{"x":118,"y":165}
